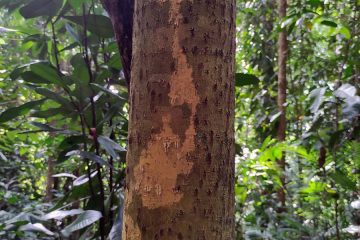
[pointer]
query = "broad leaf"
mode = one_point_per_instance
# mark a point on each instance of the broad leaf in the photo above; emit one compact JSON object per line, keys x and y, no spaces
{"x":83,"y":179}
{"x":36,"y":227}
{"x":37,"y":8}
{"x":59,"y":214}
{"x":97,"y":24}
{"x":85,"y":219}
{"x":12,"y":113}
{"x":47,"y":72}
{"x":110,"y":146}
{"x":55,"y":97}
{"x":95,"y":158}
{"x":318,"y":98}
{"x":32,"y":77}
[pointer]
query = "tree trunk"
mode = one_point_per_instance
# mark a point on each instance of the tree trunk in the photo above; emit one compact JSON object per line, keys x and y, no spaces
{"x":180,"y":163}
{"x":282,"y":85}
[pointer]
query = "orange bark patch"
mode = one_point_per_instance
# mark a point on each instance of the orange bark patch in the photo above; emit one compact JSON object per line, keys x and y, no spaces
{"x":165,"y":157}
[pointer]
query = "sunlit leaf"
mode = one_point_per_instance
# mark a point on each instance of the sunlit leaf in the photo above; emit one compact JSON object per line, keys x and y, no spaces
{"x":36,"y":227}
{"x":85,"y":219}
{"x":60,"y":214}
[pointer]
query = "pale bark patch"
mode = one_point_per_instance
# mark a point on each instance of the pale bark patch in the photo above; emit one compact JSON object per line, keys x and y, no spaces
{"x":165,"y":157}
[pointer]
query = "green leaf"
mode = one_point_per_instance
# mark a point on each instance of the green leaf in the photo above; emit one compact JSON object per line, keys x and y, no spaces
{"x":345,"y":32}
{"x":37,"y":8}
{"x":12,"y":113}
{"x":318,"y":98}
{"x":110,"y":146}
{"x":47,"y":72}
{"x":32,"y":77}
{"x":85,"y":219}
{"x":243,"y":79}
{"x":329,"y":23}
{"x":81,"y":71}
{"x":97,"y":24}
{"x":343,"y":180}
{"x":95,"y":158}
{"x":55,"y":97}
{"x":115,"y":61}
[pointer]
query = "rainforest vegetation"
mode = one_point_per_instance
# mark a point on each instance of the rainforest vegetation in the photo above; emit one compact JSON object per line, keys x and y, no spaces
{"x":180,"y":119}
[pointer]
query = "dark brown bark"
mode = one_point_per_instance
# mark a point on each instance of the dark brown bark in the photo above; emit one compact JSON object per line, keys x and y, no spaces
{"x":282,"y":87}
{"x":121,"y":15}
{"x":180,"y":163}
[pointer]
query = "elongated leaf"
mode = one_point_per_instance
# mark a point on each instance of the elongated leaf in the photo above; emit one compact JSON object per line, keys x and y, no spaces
{"x":36,"y":227}
{"x":108,"y":91}
{"x":12,"y":113}
{"x":318,"y":98}
{"x":64,"y":175}
{"x":116,"y":230}
{"x":85,"y":219}
{"x":47,"y":72}
{"x":243,"y":79}
{"x":110,"y":146}
{"x":32,"y":77}
{"x":55,"y":97}
{"x":95,"y":158}
{"x":91,"y":156}
{"x":3,"y":157}
{"x":59,"y":214}
{"x":329,"y":23}
{"x":37,"y":8}
{"x":83,"y":179}
{"x":97,"y":24}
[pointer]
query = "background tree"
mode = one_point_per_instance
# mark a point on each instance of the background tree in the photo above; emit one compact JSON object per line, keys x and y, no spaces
{"x":281,"y":96}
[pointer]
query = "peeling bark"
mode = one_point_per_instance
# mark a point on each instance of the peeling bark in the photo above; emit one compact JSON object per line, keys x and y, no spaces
{"x":180,"y":163}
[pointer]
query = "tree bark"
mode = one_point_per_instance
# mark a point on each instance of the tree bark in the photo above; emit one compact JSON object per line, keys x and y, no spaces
{"x":180,"y":163}
{"x":121,"y":15}
{"x":282,"y":87}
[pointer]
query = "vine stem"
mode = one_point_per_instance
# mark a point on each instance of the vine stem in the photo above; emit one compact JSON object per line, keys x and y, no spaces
{"x":78,"y":108}
{"x":93,"y":131}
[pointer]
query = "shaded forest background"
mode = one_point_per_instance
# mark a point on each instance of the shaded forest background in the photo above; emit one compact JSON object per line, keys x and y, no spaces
{"x":64,"y":121}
